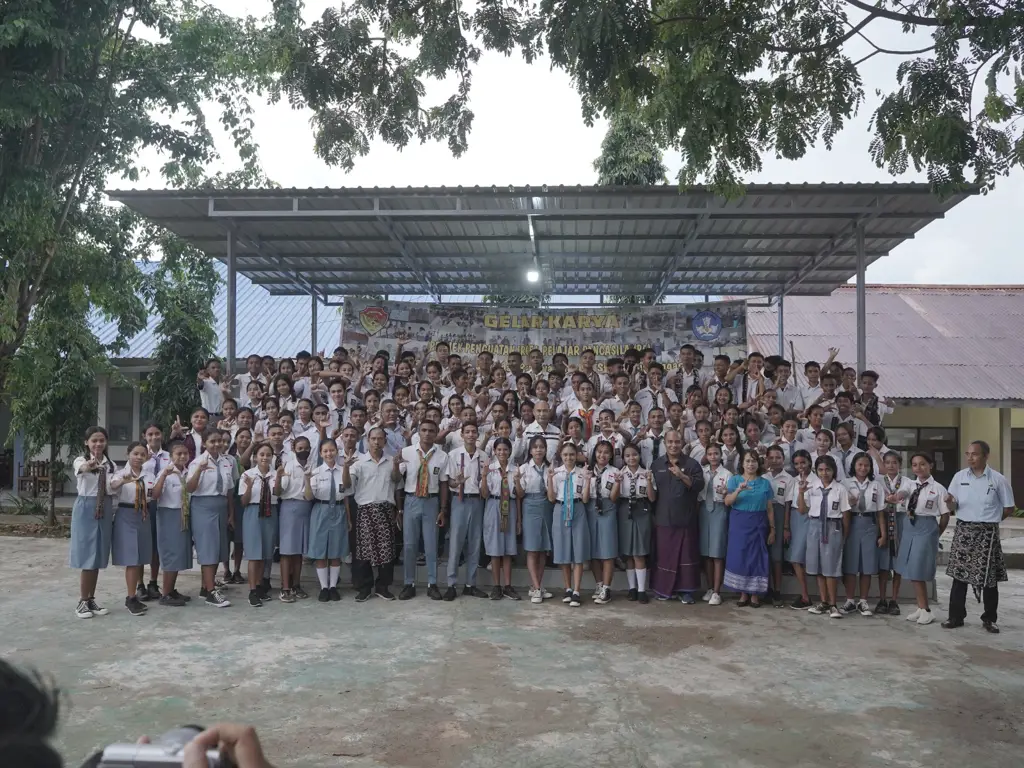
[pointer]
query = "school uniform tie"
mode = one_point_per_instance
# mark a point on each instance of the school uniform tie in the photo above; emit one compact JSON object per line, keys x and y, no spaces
{"x":140,"y":497}
{"x":423,"y":477}
{"x":340,"y":412}
{"x":890,"y":521}
{"x":568,"y":499}
{"x":588,"y":422}
{"x":219,"y":488}
{"x":846,"y":456}
{"x":265,"y":497}
{"x":655,"y":447}
{"x":862,"y":506}
{"x":101,"y":491}
{"x":915,"y":498}
{"x":823,"y":511}
{"x":156,"y":464}
{"x":789,"y":456}
{"x":506,"y":497}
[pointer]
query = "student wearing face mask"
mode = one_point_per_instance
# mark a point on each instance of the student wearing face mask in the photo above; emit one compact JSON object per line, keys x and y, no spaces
{"x":295,"y":515}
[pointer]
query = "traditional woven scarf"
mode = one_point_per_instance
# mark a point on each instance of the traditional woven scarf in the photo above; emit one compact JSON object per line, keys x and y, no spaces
{"x":186,"y":513}
{"x":141,"y":506}
{"x":506,"y":496}
{"x":423,"y":475}
{"x":890,"y":515}
{"x":587,"y":416}
{"x":266,"y":500}
{"x":568,"y":497}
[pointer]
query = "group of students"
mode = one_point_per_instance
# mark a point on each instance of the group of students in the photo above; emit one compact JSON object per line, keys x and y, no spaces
{"x":693,"y":480}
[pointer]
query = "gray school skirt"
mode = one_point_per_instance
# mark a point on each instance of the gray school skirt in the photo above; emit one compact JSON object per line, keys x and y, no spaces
{"x":132,"y":540}
{"x":860,"y":554}
{"x":90,"y":537}
{"x":634,"y":528}
{"x":498,"y":543}
{"x":328,"y":531}
{"x":919,"y":546}
{"x":294,"y":526}
{"x":259,"y":533}
{"x":775,"y":551}
{"x":714,"y":530}
{"x":173,"y":544}
{"x":825,"y":558}
{"x":536,"y":521}
{"x":604,"y":529}
{"x":797,"y":536}
{"x":209,"y":516}
{"x":570,"y":543}
{"x":886,"y":560}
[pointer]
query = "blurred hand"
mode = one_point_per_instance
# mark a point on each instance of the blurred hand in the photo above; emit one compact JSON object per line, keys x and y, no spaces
{"x":238,"y":742}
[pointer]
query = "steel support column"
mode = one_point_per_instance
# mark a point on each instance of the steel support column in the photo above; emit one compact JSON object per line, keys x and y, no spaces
{"x":782,"y":327}
{"x":313,"y":324}
{"x":862,"y":330}
{"x":232,"y":301}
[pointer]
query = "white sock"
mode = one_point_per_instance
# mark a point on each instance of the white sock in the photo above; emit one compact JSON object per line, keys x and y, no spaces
{"x":335,"y":573}
{"x":600,"y":585}
{"x":321,"y":574}
{"x":641,"y":579}
{"x":631,"y":577}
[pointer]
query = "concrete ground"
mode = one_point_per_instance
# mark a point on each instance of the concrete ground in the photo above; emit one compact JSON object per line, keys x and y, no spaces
{"x":480,"y":684}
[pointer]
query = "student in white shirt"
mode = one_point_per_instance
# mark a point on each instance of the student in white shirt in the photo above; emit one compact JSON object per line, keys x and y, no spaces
{"x":465,"y":534}
{"x":827,"y":504}
{"x":330,"y":520}
{"x":92,"y":519}
{"x":173,"y":529}
{"x":876,"y":449}
{"x":158,"y":460}
{"x":789,"y":444}
{"x":823,"y":442}
{"x":927,"y":518}
{"x":537,"y":511}
{"x":620,"y":399}
{"x":714,"y":521}
{"x":253,"y":373}
{"x":844,"y":451}
{"x":874,"y":407}
{"x":897,"y":488}
{"x":697,"y":450}
{"x":295,"y":518}
{"x":211,"y":479}
{"x":211,"y":390}
{"x":603,"y":520}
{"x":637,"y":493}
{"x":795,"y":526}
{"x":132,"y":538}
{"x":608,"y":434}
{"x":867,"y":533}
{"x":502,"y":519}
{"x":422,"y":507}
{"x":652,"y":445}
{"x":259,"y":520}
{"x":787,"y":393}
{"x":569,"y":490}
{"x":543,"y":427}
{"x":654,"y":394}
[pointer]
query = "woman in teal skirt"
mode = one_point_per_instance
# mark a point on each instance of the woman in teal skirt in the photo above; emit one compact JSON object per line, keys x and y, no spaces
{"x":259,"y":521}
{"x":751,"y":531}
{"x":92,"y":520}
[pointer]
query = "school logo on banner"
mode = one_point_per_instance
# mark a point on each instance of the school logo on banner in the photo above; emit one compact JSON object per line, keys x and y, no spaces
{"x":374,"y":319}
{"x":707,"y":326}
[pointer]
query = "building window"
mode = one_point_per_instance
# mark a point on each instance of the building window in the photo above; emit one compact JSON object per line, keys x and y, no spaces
{"x":942,"y":444}
{"x":120,"y":414}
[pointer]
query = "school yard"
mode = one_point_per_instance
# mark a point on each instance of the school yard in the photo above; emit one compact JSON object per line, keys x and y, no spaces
{"x":487,"y":685}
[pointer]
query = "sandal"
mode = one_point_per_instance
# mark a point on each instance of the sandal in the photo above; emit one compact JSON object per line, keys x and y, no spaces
{"x":758,"y":604}
{"x":742,"y":603}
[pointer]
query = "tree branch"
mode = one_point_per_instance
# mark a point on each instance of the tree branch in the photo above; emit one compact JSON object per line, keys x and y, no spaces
{"x":833,"y":44}
{"x":906,"y":18}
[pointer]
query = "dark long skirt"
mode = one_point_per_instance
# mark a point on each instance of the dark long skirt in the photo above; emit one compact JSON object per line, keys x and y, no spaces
{"x":677,"y":554}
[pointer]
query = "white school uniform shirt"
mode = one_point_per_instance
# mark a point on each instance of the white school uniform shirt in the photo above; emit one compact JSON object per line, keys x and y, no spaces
{"x":126,"y":493}
{"x":738,"y":396}
{"x":170,"y":494}
{"x":287,"y":403}
{"x":559,"y":483}
{"x":244,"y":379}
{"x":698,"y":451}
{"x":810,"y":394}
{"x":460,"y":462}
{"x":780,"y":486}
{"x":731,"y":459}
{"x":870,"y":491}
{"x":642,"y":476}
{"x":534,"y":478}
{"x":690,"y":379}
{"x":601,"y":485}
{"x":257,"y":484}
{"x":616,"y":404}
{"x":838,"y":499}
{"x":793,"y":491}
{"x":713,"y":385}
{"x":210,"y":395}
{"x":648,"y":399}
{"x":551,"y":434}
{"x":901,"y":484}
{"x":157,"y":463}
{"x":225,"y":465}
{"x":788,"y":450}
{"x":309,"y":431}
{"x":980,"y":499}
{"x":494,"y":479}
{"x":371,"y":480}
{"x":716,"y":484}
{"x":790,"y":397}
{"x":618,"y":443}
{"x":932,"y":500}
{"x":860,"y":429}
{"x":805,"y":438}
{"x":293,"y":481}
{"x":324,"y":477}
{"x":647,"y":448}
{"x":631,"y":429}
{"x":338,"y":420}
{"x":437,"y":467}
{"x":844,"y":461}
{"x":447,"y":393}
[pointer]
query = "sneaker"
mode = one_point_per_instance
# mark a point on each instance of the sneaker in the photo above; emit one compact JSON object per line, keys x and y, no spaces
{"x":254,"y":599}
{"x":324,"y":595}
{"x":914,"y":615}
{"x":177,"y":594}
{"x":882,"y":609}
{"x":510,"y":592}
{"x":300,"y":593}
{"x":661,"y":598}
{"x":605,"y":597}
{"x":716,"y":599}
{"x":171,"y":600}
{"x":575,"y":601}
{"x":153,"y":591}
{"x":286,"y":596}
{"x":894,"y":608}
{"x":433,"y":592}
{"x":545,"y":594}
{"x":687,"y":599}
{"x":631,"y":595}
{"x":450,"y":594}
{"x":567,"y":598}
{"x":849,"y":606}
{"x":495,"y":593}
{"x":818,"y":609}
{"x":216,"y":599}
{"x":218,"y":582}
{"x":537,"y":597}
{"x":707,"y":596}
{"x":777,"y":600}
{"x":334,"y":594}
{"x":363,"y":595}
{"x":800,"y":604}
{"x":925,"y":618}
{"x":472,"y":591}
{"x":204,"y":592}
{"x":533,"y":592}
{"x":641,"y":597}
{"x":140,"y":592}
{"x":95,"y":607}
{"x":598,"y":591}
{"x":134,"y":606}
{"x":384,"y":594}
{"x":863,"y":608}
{"x":408,"y":592}
{"x":265,"y":586}
{"x":834,"y":612}
{"x":82,"y":611}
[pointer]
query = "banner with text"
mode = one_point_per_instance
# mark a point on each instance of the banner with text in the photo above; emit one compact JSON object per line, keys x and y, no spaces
{"x":717,"y":328}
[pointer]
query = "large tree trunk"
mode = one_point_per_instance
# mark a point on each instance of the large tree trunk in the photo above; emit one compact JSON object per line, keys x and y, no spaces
{"x":51,"y":507}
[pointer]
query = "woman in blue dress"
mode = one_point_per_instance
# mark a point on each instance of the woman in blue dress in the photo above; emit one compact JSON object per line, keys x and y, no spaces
{"x":751,"y":531}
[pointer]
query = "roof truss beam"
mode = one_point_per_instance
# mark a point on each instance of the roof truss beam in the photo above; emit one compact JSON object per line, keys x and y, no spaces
{"x":410,"y":257}
{"x":677,"y":256}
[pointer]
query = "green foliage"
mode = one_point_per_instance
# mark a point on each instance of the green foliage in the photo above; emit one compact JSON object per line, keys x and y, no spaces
{"x":630,"y":155}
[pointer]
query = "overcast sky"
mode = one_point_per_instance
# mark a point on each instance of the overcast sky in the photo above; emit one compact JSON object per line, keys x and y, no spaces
{"x":528,"y":130}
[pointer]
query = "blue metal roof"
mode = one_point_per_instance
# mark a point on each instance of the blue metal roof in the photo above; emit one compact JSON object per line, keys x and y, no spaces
{"x":267,"y":325}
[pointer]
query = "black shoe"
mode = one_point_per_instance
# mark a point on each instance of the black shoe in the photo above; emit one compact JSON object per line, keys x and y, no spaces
{"x":990,"y":627}
{"x":334,"y":594}
{"x":883,"y":607}
{"x":265,"y":586}
{"x":299,"y":592}
{"x":363,"y":595}
{"x":449,"y":594}
{"x":153,"y":591}
{"x":238,"y":578}
{"x":800,"y":604}
{"x":468,"y":591}
{"x":510,"y":592}
{"x":277,"y":555}
{"x":324,"y":595}
{"x":171,"y":600}
{"x":567,"y":597}
{"x":177,"y":594}
{"x":141,"y":593}
{"x":408,"y":592}
{"x":495,"y":593}
{"x":204,"y":592}
{"x":254,"y":599}
{"x":952,"y":623}
{"x":894,"y":608}
{"x":384,"y":594}
{"x":632,"y":595}
{"x":134,"y":606}
{"x":433,"y":592}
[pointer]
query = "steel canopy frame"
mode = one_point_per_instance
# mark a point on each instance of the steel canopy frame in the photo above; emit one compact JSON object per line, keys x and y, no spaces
{"x":445,"y":242}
